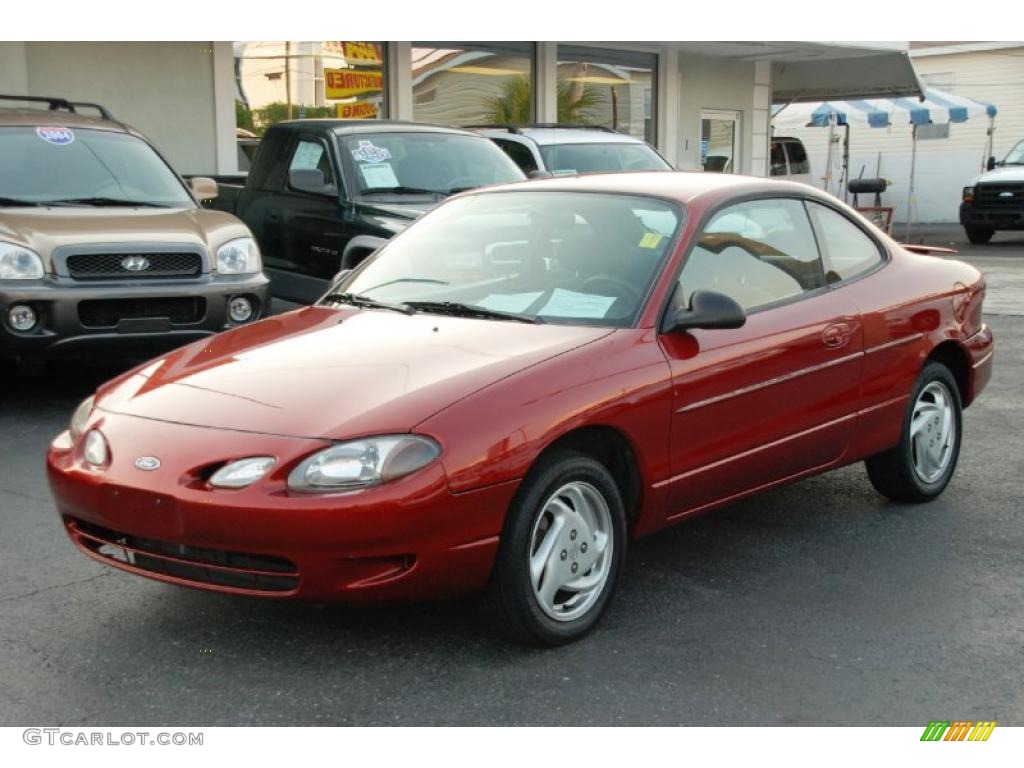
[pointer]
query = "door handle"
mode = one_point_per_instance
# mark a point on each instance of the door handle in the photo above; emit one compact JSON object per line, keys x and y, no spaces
{"x":836,"y":336}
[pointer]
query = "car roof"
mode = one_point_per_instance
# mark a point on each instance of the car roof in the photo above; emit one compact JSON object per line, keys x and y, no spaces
{"x":548,"y":135}
{"x":345,"y":127}
{"x":683,"y":186}
{"x":63,"y":118}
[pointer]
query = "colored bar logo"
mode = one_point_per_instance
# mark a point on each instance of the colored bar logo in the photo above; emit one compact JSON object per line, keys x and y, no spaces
{"x":958,"y":730}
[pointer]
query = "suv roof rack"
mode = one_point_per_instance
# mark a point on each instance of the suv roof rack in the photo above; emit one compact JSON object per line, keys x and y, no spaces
{"x":519,"y":128}
{"x":497,"y":126}
{"x":55,"y":103}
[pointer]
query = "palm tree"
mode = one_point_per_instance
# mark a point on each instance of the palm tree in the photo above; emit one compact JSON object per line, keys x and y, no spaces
{"x":513,"y":106}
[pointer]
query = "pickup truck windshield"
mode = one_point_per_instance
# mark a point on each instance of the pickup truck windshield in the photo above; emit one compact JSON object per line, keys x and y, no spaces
{"x":48,"y":164}
{"x":601,"y":158}
{"x":379,"y":164}
{"x":577,"y":258}
{"x":1016,"y":155}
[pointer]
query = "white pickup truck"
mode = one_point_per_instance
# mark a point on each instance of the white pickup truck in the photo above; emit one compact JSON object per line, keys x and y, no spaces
{"x":995,"y":201}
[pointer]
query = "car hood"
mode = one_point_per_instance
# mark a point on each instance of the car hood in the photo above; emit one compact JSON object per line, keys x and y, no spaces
{"x":395,"y":217}
{"x":46,"y":229}
{"x":1001,"y":175}
{"x":335,"y":373}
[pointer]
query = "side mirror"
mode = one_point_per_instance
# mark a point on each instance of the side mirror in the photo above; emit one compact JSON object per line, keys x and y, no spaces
{"x":310,"y":180}
{"x":203,"y":187}
{"x":341,"y":275}
{"x":709,"y":310}
{"x":991,"y":164}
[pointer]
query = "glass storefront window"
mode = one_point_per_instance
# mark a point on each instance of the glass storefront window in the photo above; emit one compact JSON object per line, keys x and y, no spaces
{"x":286,"y":80}
{"x":472,"y":83}
{"x":615,"y":89}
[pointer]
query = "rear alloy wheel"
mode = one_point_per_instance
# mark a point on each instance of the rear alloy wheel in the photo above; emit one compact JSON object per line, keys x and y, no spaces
{"x":920,"y":467}
{"x":561,"y":552}
{"x":979,"y":235}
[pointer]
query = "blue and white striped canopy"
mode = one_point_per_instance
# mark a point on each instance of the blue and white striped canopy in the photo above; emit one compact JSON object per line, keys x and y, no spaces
{"x":937,"y":107}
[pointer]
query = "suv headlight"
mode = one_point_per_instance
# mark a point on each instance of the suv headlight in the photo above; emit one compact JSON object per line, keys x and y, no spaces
{"x":239,"y":257}
{"x":968,"y":195}
{"x":362,"y":463}
{"x":17,"y":263}
{"x":81,"y":417}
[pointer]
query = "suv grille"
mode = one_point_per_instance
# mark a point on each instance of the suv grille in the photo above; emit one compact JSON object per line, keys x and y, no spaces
{"x":137,"y":266}
{"x":107,"y":313}
{"x":995,"y":195}
{"x":238,"y":570}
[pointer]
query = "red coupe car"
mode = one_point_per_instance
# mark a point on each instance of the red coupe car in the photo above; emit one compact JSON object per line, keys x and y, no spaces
{"x":526,"y":378}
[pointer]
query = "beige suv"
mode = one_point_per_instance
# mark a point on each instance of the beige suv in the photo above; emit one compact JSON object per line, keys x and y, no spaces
{"x":104,"y":248}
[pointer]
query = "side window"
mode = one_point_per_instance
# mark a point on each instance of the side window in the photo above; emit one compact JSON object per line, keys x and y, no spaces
{"x":848,"y":250}
{"x":758,"y":253}
{"x":520,"y":154}
{"x":778,"y":159}
{"x":797,"y":158}
{"x":311,"y":155}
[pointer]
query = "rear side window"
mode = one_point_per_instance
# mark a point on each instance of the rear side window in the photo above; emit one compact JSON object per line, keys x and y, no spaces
{"x":521,"y":155}
{"x":758,"y":253}
{"x":797,"y":158}
{"x":847,"y":249}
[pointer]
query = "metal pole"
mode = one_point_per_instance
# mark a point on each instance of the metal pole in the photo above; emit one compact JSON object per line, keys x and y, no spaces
{"x":288,"y":76}
{"x":988,"y":144}
{"x":910,"y":190}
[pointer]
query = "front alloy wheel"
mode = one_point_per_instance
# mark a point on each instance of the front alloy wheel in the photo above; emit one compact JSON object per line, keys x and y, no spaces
{"x":561,"y":552}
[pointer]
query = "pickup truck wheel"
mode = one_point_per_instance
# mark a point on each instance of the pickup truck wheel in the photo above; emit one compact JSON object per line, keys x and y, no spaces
{"x":979,"y":235}
{"x":560,"y":553}
{"x":921,"y":466}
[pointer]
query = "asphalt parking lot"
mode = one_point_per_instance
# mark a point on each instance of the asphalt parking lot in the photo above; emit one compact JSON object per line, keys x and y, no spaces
{"x":815,"y":604}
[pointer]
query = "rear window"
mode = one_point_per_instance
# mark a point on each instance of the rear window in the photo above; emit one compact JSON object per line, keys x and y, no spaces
{"x":599,"y":158}
{"x":45,"y":164}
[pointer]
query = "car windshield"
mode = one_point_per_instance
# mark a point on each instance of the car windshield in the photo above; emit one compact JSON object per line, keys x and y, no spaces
{"x":600,"y":158}
{"x":577,"y":258}
{"x":55,"y":164}
{"x":1016,"y":155}
{"x":423,"y":163}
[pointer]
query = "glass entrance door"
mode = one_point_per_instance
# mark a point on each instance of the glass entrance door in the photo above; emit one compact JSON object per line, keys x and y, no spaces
{"x":719,"y":135}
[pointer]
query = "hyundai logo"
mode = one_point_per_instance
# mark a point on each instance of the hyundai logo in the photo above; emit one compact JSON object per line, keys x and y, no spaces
{"x":147,"y":463}
{"x":135,"y":263}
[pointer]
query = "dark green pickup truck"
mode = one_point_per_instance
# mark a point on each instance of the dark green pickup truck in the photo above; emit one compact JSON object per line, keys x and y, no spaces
{"x":324,"y":194}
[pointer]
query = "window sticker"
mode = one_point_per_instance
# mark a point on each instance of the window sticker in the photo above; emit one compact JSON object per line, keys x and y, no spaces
{"x":650,"y":240}
{"x":55,"y":134}
{"x":572,"y":304}
{"x":509,"y":302}
{"x":368,"y":152}
{"x":307,"y":156}
{"x":379,"y":175}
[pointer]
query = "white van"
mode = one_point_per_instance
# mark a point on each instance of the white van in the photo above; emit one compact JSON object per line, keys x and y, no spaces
{"x":788,"y":160}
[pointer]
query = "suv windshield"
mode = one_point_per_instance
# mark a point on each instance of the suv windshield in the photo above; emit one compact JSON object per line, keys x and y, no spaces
{"x":599,"y":158}
{"x":1016,"y":155}
{"x":50,"y":164}
{"x":423,"y":163}
{"x":565,"y":257}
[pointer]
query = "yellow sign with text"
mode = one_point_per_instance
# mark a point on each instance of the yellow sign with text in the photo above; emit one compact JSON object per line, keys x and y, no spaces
{"x":360,"y":110}
{"x":346,"y":83}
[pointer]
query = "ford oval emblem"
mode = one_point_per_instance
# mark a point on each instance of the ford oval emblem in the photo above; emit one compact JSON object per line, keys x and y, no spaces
{"x":135,"y":263}
{"x":1006,"y":194}
{"x":147,"y":463}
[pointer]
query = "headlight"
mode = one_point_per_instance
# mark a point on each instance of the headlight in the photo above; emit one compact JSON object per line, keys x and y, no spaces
{"x":362,"y":463}
{"x":968,"y":195}
{"x":95,"y":450}
{"x":242,"y":473}
{"x":81,"y":417}
{"x":17,"y":263}
{"x":239,"y":257}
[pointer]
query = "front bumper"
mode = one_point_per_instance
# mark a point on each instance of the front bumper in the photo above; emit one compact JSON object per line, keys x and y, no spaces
{"x":118,"y":318}
{"x":991,"y":218}
{"x":411,"y":539}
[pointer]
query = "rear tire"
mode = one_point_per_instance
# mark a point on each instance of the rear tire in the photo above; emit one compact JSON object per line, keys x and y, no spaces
{"x":979,"y":235}
{"x":921,"y":466}
{"x":561,"y":553}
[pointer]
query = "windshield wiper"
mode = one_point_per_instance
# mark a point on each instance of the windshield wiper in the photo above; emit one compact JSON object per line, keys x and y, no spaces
{"x":400,"y":190}
{"x":458,"y":309}
{"x":357,"y":300}
{"x":17,"y":201}
{"x":112,"y":201}
{"x":408,"y":280}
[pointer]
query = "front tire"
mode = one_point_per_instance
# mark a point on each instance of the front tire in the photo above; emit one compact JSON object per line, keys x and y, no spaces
{"x":979,"y":235}
{"x":561,"y":553}
{"x":921,"y":466}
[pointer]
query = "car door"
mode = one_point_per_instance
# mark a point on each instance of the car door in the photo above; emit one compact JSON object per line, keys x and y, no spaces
{"x":777,"y":397}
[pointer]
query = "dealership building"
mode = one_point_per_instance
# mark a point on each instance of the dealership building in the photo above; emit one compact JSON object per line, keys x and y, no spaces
{"x":704,"y":105}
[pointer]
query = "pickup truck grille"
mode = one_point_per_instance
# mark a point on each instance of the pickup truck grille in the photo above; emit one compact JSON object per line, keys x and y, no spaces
{"x":135,"y":266}
{"x":1006,"y":195}
{"x":108,"y":313}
